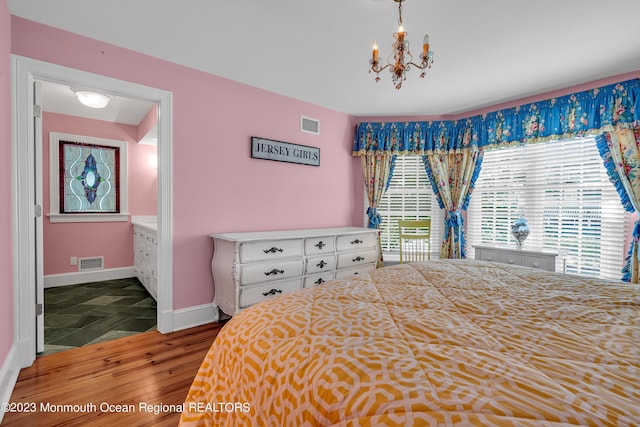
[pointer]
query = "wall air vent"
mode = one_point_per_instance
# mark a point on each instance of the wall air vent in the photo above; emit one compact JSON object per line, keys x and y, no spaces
{"x":309,"y":125}
{"x":93,"y":263}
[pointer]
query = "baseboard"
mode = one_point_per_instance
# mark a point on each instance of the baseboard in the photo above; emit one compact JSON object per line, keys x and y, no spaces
{"x":195,"y":316}
{"x":75,"y":278}
{"x":9,"y":372}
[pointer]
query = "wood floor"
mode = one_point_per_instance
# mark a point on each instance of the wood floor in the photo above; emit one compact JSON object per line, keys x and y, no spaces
{"x":138,"y":373}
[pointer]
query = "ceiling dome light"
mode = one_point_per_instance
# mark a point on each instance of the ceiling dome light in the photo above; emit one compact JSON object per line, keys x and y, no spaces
{"x":92,"y":99}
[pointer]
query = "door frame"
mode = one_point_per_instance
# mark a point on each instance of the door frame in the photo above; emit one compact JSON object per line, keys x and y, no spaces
{"x":26,"y":243}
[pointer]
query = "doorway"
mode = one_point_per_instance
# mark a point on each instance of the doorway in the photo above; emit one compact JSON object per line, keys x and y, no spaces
{"x":27,"y":214}
{"x":91,"y":292}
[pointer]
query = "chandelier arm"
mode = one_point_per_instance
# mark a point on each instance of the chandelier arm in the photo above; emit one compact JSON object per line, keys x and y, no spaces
{"x":424,"y":66}
{"x":379,"y":69}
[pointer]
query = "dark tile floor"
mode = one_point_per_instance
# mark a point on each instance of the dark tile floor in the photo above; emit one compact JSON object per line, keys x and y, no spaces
{"x":88,"y":313}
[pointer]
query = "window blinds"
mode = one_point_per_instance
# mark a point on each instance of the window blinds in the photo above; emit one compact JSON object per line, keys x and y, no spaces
{"x":562,"y":189}
{"x":409,"y":196}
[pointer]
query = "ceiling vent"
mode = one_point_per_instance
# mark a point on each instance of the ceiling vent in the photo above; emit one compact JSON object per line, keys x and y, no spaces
{"x":88,"y":264}
{"x":309,"y":125}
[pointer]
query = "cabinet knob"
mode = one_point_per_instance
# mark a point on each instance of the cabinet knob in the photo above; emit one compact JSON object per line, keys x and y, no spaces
{"x":320,"y":245}
{"x":357,"y":242}
{"x":357,"y":259}
{"x":321,"y":264}
{"x":319,"y":281}
{"x":272,"y":292}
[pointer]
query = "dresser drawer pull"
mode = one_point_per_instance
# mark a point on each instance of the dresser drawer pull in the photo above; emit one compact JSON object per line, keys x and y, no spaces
{"x":273,"y":250}
{"x":358,"y":258}
{"x":357,"y":242}
{"x":322,"y":263}
{"x":319,"y":281}
{"x":272,"y":292}
{"x":274,"y":272}
{"x":320,"y":245}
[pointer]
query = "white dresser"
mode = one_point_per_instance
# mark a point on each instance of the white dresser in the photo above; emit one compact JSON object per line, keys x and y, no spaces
{"x":145,"y":258}
{"x":252,"y":267}
{"x":542,"y":259}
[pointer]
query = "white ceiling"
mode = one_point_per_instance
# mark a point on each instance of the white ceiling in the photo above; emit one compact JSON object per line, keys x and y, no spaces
{"x":486,"y":52}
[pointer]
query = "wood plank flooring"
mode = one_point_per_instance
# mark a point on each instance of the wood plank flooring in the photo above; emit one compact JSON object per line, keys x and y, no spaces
{"x":137,"y":372}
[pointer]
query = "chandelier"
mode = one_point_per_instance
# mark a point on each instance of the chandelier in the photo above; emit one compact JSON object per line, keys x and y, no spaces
{"x":402,"y":57}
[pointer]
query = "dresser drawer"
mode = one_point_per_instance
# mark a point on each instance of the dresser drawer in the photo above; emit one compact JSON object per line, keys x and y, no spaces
{"x":321,"y":263}
{"x":318,"y":279}
{"x":255,"y":294}
{"x":352,"y":259}
{"x":269,"y":271}
{"x":541,"y":262}
{"x":270,"y":249}
{"x":360,"y":270}
{"x":319,"y":245}
{"x":356,"y":241}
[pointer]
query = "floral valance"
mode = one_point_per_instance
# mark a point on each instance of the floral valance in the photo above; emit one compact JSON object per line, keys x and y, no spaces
{"x":579,"y":114}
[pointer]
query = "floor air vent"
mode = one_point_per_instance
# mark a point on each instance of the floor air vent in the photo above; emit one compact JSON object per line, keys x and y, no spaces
{"x":94,"y":263}
{"x":309,"y":125}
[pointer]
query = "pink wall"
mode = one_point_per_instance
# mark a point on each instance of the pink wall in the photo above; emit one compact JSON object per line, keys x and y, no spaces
{"x":217,"y":186}
{"x":6,"y":247}
{"x":113,"y":240}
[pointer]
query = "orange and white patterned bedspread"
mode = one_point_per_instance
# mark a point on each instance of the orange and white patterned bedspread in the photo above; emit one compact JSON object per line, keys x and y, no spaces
{"x":447,"y":342}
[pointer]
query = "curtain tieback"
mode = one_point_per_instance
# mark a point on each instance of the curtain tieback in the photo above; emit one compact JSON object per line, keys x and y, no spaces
{"x":374,"y":218}
{"x":453,"y":219}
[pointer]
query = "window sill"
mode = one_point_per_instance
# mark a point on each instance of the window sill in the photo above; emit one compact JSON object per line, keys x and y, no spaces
{"x":88,"y":217}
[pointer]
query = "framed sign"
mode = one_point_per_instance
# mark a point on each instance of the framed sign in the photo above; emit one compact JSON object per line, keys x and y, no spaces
{"x":268,"y":149}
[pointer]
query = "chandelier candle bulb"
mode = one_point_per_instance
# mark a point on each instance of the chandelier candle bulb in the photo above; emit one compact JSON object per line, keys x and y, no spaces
{"x":401,"y":34}
{"x":425,"y":45}
{"x":375,"y":51}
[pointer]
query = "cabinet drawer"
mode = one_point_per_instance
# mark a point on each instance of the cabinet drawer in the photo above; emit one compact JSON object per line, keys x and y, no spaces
{"x":360,"y":270}
{"x":255,"y":294}
{"x":356,"y":241}
{"x":541,"y":262}
{"x":319,"y":245}
{"x":503,"y":257}
{"x":270,"y":249}
{"x":321,"y":263}
{"x":269,"y":271}
{"x":318,"y":279}
{"x":352,"y":259}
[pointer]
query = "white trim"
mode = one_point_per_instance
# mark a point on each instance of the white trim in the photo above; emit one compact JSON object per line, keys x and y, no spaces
{"x":54,"y":180}
{"x":24,"y":72}
{"x":77,"y":277}
{"x":88,"y":217}
{"x":8,"y":377}
{"x":189,"y":317}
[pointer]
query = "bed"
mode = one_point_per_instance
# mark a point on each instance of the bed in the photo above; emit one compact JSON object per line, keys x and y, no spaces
{"x":444,"y":342}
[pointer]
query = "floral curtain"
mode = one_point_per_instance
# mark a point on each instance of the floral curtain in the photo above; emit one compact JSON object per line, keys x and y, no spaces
{"x":590,"y":112}
{"x":620,"y":151}
{"x":580,"y":114}
{"x":377,"y":170}
{"x":453,"y":175}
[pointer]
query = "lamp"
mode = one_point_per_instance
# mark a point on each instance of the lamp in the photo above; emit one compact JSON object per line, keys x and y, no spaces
{"x":402,"y":57}
{"x":91,"y":99}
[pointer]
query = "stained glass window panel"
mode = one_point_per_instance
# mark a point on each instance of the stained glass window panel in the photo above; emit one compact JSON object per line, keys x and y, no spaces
{"x":89,"y":178}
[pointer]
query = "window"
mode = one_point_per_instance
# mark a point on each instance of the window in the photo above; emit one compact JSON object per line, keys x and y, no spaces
{"x":563,"y":191}
{"x":88,"y":180}
{"x":409,"y":196}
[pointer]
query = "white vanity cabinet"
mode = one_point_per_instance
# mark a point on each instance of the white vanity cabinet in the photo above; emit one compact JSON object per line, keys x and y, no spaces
{"x":252,"y":267}
{"x":542,"y":259}
{"x":145,"y":258}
